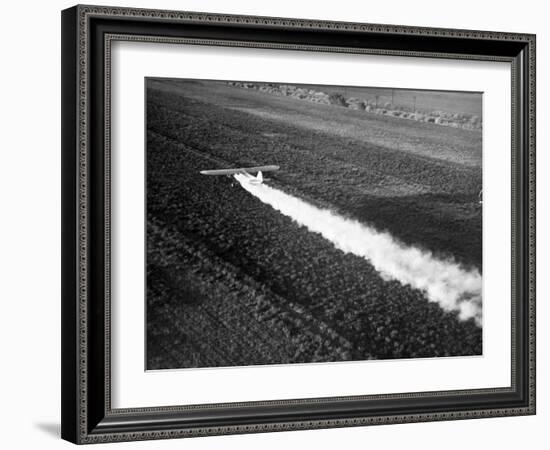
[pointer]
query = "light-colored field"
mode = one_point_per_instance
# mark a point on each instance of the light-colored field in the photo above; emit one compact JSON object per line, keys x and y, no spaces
{"x":424,"y":139}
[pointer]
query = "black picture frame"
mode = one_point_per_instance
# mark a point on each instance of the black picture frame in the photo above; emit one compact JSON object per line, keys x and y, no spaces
{"x":87,"y":416}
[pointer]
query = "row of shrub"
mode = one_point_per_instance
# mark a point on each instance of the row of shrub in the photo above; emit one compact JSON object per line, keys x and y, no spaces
{"x":458,"y":120}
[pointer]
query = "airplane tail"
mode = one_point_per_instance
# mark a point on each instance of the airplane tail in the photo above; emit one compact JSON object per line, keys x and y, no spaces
{"x":260,"y":177}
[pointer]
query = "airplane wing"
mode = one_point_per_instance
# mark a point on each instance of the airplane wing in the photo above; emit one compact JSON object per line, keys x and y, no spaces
{"x":240,"y":170}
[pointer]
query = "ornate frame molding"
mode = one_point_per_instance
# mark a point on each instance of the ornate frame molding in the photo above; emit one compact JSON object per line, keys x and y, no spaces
{"x":80,"y":423}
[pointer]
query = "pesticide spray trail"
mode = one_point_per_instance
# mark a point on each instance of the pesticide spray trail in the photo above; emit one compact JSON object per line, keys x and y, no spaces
{"x":444,"y":282}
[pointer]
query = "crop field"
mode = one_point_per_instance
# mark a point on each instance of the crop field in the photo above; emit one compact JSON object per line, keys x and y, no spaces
{"x":232,"y":281}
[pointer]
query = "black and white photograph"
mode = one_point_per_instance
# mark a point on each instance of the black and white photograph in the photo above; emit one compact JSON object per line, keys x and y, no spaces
{"x":291,"y":223}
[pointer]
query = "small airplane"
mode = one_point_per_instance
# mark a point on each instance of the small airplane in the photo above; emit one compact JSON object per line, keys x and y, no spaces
{"x":246,"y":171}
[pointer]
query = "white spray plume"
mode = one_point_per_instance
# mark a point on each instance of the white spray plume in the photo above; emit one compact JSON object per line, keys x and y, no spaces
{"x":444,"y":282}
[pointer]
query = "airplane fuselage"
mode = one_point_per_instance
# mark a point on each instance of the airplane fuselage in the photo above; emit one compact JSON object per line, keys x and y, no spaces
{"x":258,"y":179}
